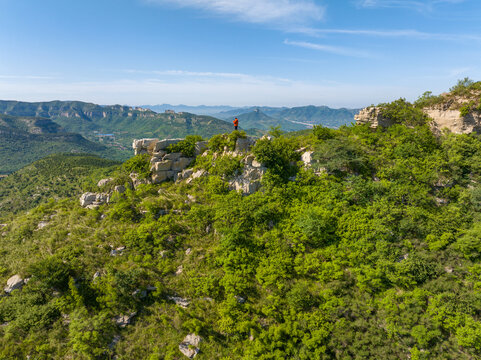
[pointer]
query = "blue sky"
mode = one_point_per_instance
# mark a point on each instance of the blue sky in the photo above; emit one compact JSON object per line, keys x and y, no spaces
{"x":245,"y":52}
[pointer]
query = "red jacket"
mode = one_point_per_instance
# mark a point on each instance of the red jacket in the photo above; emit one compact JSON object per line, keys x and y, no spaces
{"x":236,"y":122}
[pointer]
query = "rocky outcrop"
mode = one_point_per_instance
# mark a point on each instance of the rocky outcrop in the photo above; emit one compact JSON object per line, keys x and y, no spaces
{"x":249,"y":181}
{"x":14,"y":283}
{"x":91,"y":200}
{"x":444,"y":115}
{"x":453,"y":121}
{"x":190,"y":345}
{"x":372,"y":115}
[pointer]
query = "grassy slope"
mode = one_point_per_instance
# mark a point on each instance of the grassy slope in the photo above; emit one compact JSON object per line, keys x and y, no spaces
{"x":54,"y":177}
{"x":379,"y":259}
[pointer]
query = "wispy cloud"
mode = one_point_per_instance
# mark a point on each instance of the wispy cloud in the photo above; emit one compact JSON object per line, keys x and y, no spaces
{"x":274,"y":12}
{"x":26,"y":77}
{"x":406,"y":33}
{"x":338,"y":50}
{"x":205,"y":74}
{"x":421,"y":6}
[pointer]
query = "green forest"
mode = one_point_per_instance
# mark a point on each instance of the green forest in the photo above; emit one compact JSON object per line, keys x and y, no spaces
{"x":373,"y":252}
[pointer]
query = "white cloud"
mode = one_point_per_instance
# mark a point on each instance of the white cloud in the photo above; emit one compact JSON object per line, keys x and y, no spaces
{"x":328,"y":48}
{"x":274,"y":12}
{"x":421,"y":6}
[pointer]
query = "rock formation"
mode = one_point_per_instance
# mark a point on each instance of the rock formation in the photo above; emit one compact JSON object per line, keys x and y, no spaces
{"x":189,"y":346}
{"x":14,"y":283}
{"x":372,"y":115}
{"x":445,"y":114}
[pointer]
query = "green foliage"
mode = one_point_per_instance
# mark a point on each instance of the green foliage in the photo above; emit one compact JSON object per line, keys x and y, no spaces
{"x":56,"y":176}
{"x":377,"y":257}
{"x":465,"y":87}
{"x":139,"y":164}
{"x":225,"y":141}
{"x":277,"y":155}
{"x":403,"y":112}
{"x":186,"y":146}
{"x":323,"y":133}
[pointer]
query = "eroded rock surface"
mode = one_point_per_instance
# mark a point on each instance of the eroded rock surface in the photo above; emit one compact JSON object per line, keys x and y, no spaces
{"x":190,"y":345}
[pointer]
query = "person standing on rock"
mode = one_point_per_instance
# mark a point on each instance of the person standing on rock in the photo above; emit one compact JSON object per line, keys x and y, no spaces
{"x":236,"y":123}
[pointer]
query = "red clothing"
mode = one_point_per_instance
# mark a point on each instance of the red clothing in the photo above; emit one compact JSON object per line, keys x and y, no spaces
{"x":236,"y":122}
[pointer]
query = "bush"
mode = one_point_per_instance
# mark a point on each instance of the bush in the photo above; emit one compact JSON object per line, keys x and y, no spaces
{"x":218,"y":142}
{"x":323,"y":133}
{"x":139,"y":164}
{"x":403,"y":112}
{"x":277,"y":155}
{"x":186,"y":146}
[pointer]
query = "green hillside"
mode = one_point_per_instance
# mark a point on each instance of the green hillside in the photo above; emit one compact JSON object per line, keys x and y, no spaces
{"x":124,"y":122}
{"x":26,"y":139}
{"x":53,"y":177}
{"x":371,"y":252}
{"x":257,"y":119}
{"x":291,"y":119}
{"x":319,"y":115}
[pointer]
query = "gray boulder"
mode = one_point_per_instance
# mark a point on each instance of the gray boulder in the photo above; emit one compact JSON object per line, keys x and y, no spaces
{"x":104,"y":182}
{"x":244,"y":144}
{"x":200,"y":147}
{"x":165,"y":143}
{"x":14,"y":283}
{"x":189,"y":346}
{"x":181,"y":164}
{"x":87,"y":198}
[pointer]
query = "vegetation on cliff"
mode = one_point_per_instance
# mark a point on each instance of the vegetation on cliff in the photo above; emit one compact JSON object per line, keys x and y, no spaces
{"x":372,"y":253}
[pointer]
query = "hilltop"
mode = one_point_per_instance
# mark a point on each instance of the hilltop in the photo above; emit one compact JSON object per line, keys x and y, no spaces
{"x":358,"y":243}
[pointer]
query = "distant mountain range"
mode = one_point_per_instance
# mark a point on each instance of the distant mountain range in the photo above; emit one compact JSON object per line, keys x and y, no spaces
{"x":289,"y":119}
{"x":29,"y":131}
{"x":117,"y":125}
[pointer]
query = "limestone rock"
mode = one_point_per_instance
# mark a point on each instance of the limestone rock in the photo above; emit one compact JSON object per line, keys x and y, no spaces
{"x":160,"y":176}
{"x":162,"y":165}
{"x":181,"y":164}
{"x":119,"y":189}
{"x":42,"y":224}
{"x":307,"y":158}
{"x":196,"y":175}
{"x":200,"y":147}
{"x":172,"y":156}
{"x":117,"y":251}
{"x":189,"y":346}
{"x":179,"y":301}
{"x":453,"y":121}
{"x":124,"y":320}
{"x":14,"y":283}
{"x":165,"y":143}
{"x":141,"y":146}
{"x":244,"y":144}
{"x":87,"y":198}
{"x":104,"y":182}
{"x":372,"y":115}
{"x":136,"y":181}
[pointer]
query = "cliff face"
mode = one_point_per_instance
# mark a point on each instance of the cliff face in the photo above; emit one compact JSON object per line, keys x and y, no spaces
{"x":444,"y":115}
{"x":373,"y":116}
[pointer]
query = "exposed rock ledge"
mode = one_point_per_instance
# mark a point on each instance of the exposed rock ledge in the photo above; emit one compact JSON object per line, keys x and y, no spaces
{"x":450,"y":119}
